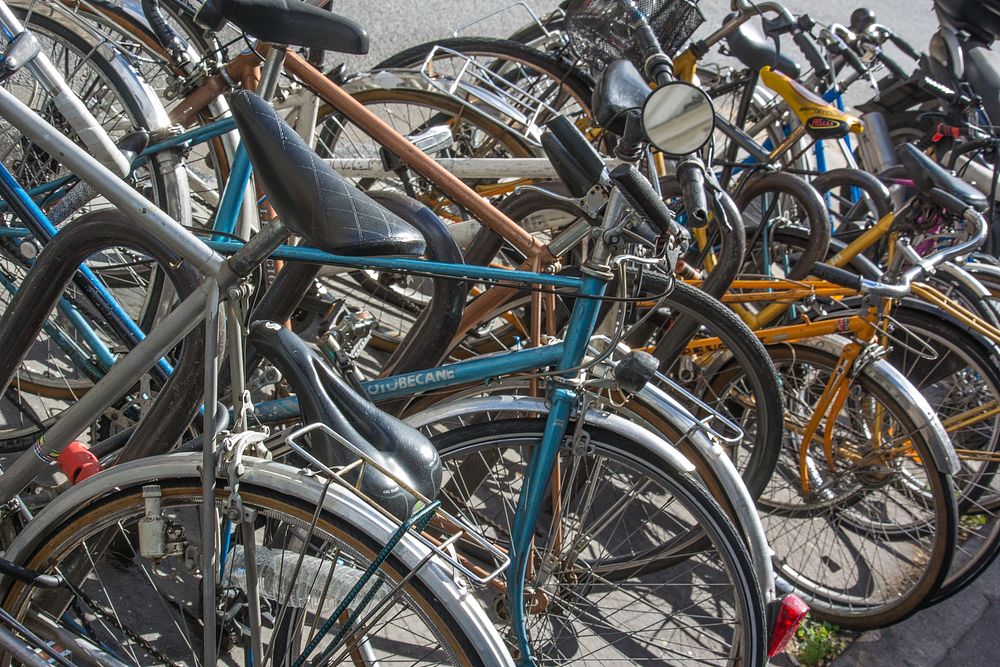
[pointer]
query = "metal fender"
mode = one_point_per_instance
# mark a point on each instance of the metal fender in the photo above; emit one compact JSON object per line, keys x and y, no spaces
{"x":670,"y":411}
{"x":886,"y":375}
{"x":296,"y":482}
{"x":599,"y":418}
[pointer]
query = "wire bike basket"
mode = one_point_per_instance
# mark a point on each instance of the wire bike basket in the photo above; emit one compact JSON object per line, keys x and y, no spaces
{"x":601,"y":31}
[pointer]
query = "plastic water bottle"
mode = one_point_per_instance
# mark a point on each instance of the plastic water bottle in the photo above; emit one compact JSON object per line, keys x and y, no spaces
{"x":313,"y":587}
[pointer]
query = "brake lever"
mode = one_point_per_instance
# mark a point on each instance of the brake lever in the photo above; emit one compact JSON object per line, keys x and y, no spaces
{"x":591,"y":203}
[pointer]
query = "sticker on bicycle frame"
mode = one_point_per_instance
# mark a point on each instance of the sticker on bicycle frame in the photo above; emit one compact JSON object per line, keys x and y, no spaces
{"x":411,"y":381}
{"x":37,"y":447}
{"x":843,"y":324}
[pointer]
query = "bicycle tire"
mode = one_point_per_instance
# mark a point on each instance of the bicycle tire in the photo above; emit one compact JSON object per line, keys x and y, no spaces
{"x":859,"y":214}
{"x":274,"y":490}
{"x":742,"y":350}
{"x":795,"y":521}
{"x":977,"y":484}
{"x":164,"y":178}
{"x":505,"y":436}
{"x":805,"y":197}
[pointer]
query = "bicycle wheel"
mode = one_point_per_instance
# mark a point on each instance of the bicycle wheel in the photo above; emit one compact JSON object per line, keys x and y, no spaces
{"x":737,"y":379}
{"x":855,"y":199}
{"x":146,"y":611}
{"x":61,"y":366}
{"x":770,"y":202}
{"x":870,"y":539}
{"x":962,"y":384}
{"x":612,"y":581}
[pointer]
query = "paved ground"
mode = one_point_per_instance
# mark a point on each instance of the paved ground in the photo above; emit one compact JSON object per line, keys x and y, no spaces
{"x":961,"y":631}
{"x":397,"y":24}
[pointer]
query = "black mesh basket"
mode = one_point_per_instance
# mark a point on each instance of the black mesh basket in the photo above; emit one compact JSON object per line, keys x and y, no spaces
{"x":604,"y":30}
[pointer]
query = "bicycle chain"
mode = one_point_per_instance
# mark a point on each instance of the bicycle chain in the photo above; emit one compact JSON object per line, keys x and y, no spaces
{"x":113,"y":620}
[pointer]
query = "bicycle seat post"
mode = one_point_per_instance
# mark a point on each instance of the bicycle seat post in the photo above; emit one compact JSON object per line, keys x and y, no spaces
{"x":271,"y":71}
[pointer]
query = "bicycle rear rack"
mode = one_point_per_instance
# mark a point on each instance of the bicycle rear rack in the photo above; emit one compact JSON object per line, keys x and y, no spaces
{"x":490,"y":91}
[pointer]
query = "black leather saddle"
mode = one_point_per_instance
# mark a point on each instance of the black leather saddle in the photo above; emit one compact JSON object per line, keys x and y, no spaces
{"x":751,"y":48}
{"x":927,"y":174}
{"x":620,"y":87}
{"x":325,"y":397}
{"x":312,"y":200}
{"x":289,"y":22}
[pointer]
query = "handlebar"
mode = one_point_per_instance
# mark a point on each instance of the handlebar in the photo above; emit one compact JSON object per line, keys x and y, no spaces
{"x":643,"y":199}
{"x":808,"y":47}
{"x":920,"y":265}
{"x":839,"y":47}
{"x":691,"y":176}
{"x":169,"y":39}
{"x":753,"y":8}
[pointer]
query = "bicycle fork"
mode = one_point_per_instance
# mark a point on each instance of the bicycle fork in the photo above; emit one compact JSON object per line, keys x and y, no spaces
{"x":563,"y":397}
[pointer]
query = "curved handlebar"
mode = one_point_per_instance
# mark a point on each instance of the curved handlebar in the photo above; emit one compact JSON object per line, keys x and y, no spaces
{"x":900,"y":287}
{"x":753,"y":8}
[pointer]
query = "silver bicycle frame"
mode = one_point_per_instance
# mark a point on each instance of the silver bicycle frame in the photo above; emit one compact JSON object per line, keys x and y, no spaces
{"x":70,"y":106}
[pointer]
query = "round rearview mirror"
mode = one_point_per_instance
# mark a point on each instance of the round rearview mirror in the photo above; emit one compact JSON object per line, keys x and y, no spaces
{"x":678,"y":118}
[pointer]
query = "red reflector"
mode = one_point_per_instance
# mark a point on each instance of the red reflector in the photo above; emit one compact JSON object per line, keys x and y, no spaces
{"x":790,"y":613}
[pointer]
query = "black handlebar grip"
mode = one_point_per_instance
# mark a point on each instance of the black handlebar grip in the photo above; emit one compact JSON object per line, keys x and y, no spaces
{"x":643,"y":198}
{"x":904,"y":46}
{"x":568,"y":169}
{"x":165,"y":34}
{"x":691,"y":176}
{"x":837,"y":276}
{"x":583,"y":153}
{"x":948,"y":201}
{"x":808,"y":47}
{"x":940,"y":91}
{"x":890,"y":64}
{"x":847,"y":53}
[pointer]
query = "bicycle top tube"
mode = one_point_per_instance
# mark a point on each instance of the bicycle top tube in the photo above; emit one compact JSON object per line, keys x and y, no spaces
{"x":164,"y":228}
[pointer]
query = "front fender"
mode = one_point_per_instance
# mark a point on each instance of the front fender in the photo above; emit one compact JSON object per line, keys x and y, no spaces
{"x":917,"y":407}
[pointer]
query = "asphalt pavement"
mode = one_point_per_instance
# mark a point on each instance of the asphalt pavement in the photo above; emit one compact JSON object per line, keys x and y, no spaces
{"x":397,"y":24}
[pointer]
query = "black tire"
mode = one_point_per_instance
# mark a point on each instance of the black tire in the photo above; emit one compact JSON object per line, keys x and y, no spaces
{"x":715,"y":380}
{"x":965,"y":369}
{"x":116,"y":516}
{"x":498,"y":443}
{"x":758,"y":199}
{"x":850,"y":215}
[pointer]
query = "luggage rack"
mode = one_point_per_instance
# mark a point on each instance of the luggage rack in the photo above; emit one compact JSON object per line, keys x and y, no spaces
{"x":482,"y":88}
